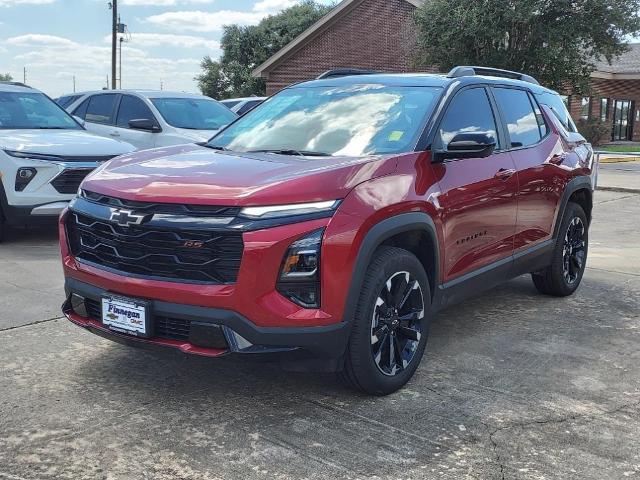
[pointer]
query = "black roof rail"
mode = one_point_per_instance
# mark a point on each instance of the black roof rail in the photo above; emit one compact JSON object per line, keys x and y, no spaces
{"x":466,"y":71}
{"x":15,"y":84}
{"x":345,"y":72}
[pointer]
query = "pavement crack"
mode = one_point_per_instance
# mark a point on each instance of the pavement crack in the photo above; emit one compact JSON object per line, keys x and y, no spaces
{"x":15,"y":327}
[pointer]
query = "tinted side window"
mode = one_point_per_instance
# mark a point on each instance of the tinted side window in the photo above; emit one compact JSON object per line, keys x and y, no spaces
{"x":519,"y":115}
{"x":100,"y":108}
{"x":559,"y":108}
{"x":81,"y":110}
{"x":132,"y":108}
{"x":248,"y":106}
{"x":542,"y":124}
{"x":469,"y":112}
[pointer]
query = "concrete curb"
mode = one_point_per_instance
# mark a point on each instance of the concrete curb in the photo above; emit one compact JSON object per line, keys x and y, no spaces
{"x":618,"y":159}
{"x":619,"y":189}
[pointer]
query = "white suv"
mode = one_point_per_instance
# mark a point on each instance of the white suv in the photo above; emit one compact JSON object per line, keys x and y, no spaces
{"x":149,"y":119}
{"x":44,"y":155}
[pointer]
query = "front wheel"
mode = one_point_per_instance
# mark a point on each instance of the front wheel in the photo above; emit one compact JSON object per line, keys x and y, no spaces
{"x":390,"y":327}
{"x":569,"y":261}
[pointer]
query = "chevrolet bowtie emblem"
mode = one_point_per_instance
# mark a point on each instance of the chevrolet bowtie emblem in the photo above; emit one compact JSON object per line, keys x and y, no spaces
{"x":126,"y":218}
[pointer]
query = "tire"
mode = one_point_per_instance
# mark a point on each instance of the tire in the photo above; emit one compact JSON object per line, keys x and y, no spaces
{"x":3,"y":226}
{"x":371,"y":364}
{"x":569,"y":258}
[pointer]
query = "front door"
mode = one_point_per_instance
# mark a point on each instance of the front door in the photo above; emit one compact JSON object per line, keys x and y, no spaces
{"x":622,"y":118}
{"x":478,"y":195}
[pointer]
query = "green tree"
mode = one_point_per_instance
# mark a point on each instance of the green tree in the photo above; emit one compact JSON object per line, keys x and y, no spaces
{"x":246,"y":47}
{"x":556,"y":41}
{"x":5,"y":77}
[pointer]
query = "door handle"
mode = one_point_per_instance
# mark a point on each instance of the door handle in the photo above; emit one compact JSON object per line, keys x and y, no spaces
{"x":558,"y":159}
{"x":114,"y":134}
{"x":504,"y":173}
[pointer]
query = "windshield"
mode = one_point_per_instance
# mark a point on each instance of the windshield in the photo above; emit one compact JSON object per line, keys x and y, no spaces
{"x":32,"y":110}
{"x":194,"y":113}
{"x":352,"y":120}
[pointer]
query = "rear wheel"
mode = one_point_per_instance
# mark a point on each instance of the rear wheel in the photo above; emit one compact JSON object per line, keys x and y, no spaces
{"x":390,"y":327}
{"x":565,"y":273}
{"x":3,"y":225}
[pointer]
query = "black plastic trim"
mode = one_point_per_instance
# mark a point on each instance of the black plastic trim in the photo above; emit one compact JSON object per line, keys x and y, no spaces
{"x":326,"y":341}
{"x":380,"y":232}
{"x":582,"y":182}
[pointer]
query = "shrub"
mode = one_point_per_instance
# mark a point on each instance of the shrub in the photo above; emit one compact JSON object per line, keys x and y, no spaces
{"x":595,"y":131}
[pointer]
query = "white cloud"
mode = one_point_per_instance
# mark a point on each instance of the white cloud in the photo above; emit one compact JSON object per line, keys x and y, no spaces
{"x":273,"y":5}
{"x":11,"y":3}
{"x":52,"y":62}
{"x":169,"y":39}
{"x":36,"y":40}
{"x":163,"y":3}
{"x":204,"y":21}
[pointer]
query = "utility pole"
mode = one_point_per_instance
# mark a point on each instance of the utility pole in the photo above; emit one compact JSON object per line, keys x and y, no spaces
{"x":114,"y":41}
{"x":161,"y":84}
{"x":120,"y":68}
{"x":24,"y":75}
{"x":74,"y":84}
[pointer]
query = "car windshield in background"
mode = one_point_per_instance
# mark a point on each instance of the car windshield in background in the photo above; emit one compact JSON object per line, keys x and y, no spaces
{"x":194,"y":113}
{"x":349,"y":120}
{"x":26,"y":110}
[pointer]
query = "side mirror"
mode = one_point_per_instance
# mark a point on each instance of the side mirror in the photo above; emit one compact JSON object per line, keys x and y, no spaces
{"x":145,"y":124}
{"x":79,"y":120}
{"x":467,"y":145}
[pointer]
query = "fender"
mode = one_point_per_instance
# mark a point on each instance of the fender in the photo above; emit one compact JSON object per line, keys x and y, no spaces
{"x":581,"y":182}
{"x":380,"y":232}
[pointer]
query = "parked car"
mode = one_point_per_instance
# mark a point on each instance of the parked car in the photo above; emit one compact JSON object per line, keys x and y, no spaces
{"x":44,"y":155}
{"x":242,"y":105}
{"x":67,"y":100}
{"x":335,"y":220}
{"x":148,"y":118}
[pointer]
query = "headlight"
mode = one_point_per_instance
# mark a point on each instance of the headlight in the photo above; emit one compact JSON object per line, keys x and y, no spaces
{"x":288,"y":210}
{"x":32,"y":156}
{"x":299,"y":278}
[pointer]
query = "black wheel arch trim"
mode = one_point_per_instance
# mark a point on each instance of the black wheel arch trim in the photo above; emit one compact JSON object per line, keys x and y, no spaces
{"x":582,"y":182}
{"x":374,"y":238}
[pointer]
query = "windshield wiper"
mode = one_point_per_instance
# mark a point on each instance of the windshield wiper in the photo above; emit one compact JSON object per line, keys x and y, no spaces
{"x":214,"y":147}
{"x":53,"y":128}
{"x":290,"y":151}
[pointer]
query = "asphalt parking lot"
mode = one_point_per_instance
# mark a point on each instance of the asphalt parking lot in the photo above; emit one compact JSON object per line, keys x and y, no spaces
{"x":514,"y":385}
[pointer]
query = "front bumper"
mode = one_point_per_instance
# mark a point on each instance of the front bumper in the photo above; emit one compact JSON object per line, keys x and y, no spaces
{"x":240,"y":335}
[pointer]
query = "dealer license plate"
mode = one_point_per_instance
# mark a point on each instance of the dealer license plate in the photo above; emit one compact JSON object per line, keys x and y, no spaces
{"x":125,"y":315}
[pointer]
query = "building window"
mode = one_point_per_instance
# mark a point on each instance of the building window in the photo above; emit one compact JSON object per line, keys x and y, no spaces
{"x":604,"y":109}
{"x":585,"y":108}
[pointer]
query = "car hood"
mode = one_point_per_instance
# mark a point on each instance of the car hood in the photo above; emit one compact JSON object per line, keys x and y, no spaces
{"x":198,"y":175}
{"x":62,"y":142}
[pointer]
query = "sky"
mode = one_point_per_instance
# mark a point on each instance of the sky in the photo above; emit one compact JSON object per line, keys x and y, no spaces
{"x":59,"y":39}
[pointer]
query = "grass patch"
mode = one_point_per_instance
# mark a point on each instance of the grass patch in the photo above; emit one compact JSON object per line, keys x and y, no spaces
{"x":620,"y":148}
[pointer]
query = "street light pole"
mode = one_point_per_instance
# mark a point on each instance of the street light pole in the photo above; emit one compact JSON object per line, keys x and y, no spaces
{"x":114,"y":41}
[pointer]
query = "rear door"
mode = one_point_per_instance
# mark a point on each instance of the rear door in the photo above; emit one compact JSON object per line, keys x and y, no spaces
{"x":134,"y":108}
{"x":98,"y":112}
{"x":478,"y":195}
{"x":537,"y":157}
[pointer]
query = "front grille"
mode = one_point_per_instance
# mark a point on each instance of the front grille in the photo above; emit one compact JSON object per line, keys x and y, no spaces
{"x":69,"y":180}
{"x":153,"y":252}
{"x":164,"y":327}
{"x":162,"y":208}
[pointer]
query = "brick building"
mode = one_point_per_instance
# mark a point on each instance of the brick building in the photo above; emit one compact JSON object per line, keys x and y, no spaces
{"x":379,"y":35}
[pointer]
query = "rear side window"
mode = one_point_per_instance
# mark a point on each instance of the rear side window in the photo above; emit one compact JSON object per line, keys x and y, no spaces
{"x":248,"y":106}
{"x":100,"y":109}
{"x":132,"y":108}
{"x":81,"y":110}
{"x":65,"y":101}
{"x":521,"y":120}
{"x":469,"y":112}
{"x":558,"y":106}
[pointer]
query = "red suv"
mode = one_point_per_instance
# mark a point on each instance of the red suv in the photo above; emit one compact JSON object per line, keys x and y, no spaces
{"x":334,"y":220}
